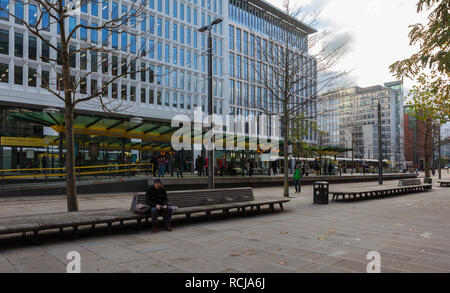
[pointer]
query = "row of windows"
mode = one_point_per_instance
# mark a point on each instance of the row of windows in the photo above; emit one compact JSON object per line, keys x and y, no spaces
{"x":122,"y":91}
{"x":102,"y":60}
{"x":256,"y":19}
{"x":178,"y":80}
{"x":184,"y":33}
{"x":109,"y":12}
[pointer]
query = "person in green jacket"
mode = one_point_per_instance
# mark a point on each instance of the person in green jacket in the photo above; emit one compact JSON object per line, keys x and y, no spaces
{"x":297,"y":178}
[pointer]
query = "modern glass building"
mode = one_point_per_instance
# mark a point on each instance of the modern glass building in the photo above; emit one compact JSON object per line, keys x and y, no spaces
{"x":349,"y":118}
{"x":255,"y":28}
{"x":167,"y":31}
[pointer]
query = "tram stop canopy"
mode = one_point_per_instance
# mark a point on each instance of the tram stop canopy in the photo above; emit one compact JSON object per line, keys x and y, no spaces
{"x":112,"y":133}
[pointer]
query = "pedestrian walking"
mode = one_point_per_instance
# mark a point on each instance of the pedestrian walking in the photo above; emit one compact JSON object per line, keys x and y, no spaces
{"x":154,"y":162}
{"x":162,"y":162}
{"x":179,"y":164}
{"x":297,"y":178}
{"x":274,"y":167}
{"x":199,"y":165}
{"x":221,"y":167}
{"x":205,"y":168}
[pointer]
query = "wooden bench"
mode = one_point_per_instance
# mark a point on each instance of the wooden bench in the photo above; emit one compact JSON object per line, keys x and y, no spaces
{"x":188,"y":203}
{"x":378,"y":192}
{"x":445,"y":183}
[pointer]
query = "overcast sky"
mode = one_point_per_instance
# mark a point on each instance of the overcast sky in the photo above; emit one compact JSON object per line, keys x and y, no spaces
{"x":377,"y":29}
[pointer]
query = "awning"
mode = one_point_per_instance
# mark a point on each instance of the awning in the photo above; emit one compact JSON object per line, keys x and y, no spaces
{"x":111,"y":132}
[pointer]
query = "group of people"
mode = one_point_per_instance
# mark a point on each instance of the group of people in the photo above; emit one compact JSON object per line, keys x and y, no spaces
{"x":201,"y":166}
{"x":162,"y":166}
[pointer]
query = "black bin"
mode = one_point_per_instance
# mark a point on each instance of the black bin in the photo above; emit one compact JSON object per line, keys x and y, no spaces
{"x":320,"y":189}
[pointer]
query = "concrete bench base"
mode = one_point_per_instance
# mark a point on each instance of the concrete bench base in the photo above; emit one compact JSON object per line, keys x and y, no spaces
{"x":350,"y":195}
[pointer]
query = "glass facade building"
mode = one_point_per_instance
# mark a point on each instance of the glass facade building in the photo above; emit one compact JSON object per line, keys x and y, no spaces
{"x":254,"y":28}
{"x":167,"y":36}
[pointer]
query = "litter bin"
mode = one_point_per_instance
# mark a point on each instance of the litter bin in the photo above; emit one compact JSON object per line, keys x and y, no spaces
{"x":320,"y":192}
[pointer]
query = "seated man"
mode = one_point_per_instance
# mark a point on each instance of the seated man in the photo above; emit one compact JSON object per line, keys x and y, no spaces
{"x":157,"y":200}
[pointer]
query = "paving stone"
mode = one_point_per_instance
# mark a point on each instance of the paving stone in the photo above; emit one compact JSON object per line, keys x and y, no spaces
{"x":99,"y":266}
{"x":6,"y":267}
{"x":199,"y":265}
{"x":24,"y":255}
{"x":270,"y":268}
{"x":147,"y":265}
{"x":41,"y":266}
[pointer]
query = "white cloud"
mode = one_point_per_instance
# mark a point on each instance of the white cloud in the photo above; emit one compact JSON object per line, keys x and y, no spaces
{"x":379,"y":33}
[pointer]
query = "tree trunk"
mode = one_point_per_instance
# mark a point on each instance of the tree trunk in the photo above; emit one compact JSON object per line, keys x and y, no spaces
{"x":72,"y":200}
{"x":286,"y":154}
{"x":427,"y":149}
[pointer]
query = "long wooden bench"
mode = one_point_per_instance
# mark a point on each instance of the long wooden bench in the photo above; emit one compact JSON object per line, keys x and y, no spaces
{"x":378,"y":192}
{"x":188,"y":203}
{"x":444,"y":183}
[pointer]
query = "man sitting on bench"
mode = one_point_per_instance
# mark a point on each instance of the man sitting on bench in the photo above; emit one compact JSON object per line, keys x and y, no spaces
{"x":156,"y":197}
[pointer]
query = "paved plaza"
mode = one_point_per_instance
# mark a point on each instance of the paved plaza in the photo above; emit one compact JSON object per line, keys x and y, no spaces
{"x":411,"y":233}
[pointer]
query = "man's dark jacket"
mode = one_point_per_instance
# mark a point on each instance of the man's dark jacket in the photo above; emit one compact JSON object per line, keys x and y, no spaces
{"x":156,"y":196}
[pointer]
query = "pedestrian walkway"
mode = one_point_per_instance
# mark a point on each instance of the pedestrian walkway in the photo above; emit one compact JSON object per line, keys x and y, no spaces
{"x":411,"y":233}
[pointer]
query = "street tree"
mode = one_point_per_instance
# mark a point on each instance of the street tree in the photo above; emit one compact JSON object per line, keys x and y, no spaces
{"x":294,"y":71}
{"x":430,"y":105}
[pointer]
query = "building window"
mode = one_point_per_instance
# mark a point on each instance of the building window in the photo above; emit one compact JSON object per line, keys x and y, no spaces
{"x":151,"y":78}
{"x":18,"y":45}
{"x":32,"y":77}
{"x":124,"y":92}
{"x":159,"y":98}
{"x":167,"y":99}
{"x":133,"y":94}
{"x":4,"y":73}
{"x":4,"y":4}
{"x":143,"y":72}
{"x":45,"y":79}
{"x":83,"y":61}
{"x":4,"y":42}
{"x":83,"y":86}
{"x":143,"y":95}
{"x":167,"y":30}
{"x":94,"y":87}
{"x":151,"y":98}
{"x":72,"y":57}
{"x":182,"y":101}
{"x":175,"y":100}
{"x":18,"y":12}
{"x":45,"y":54}
{"x":188,"y":103}
{"x":94,"y":61}
{"x":18,"y":74}
{"x":105,"y":63}
{"x":114,"y":89}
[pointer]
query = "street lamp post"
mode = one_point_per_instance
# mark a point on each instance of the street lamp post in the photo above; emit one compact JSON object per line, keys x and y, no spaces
{"x":380,"y":147}
{"x":210,"y":100}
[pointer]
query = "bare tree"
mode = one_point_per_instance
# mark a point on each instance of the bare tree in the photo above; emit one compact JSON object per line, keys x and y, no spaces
{"x":294,"y":66}
{"x":69,"y":85}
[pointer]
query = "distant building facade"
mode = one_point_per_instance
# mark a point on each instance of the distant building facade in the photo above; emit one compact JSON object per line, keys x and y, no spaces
{"x":414,"y":130}
{"x":349,"y":118}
